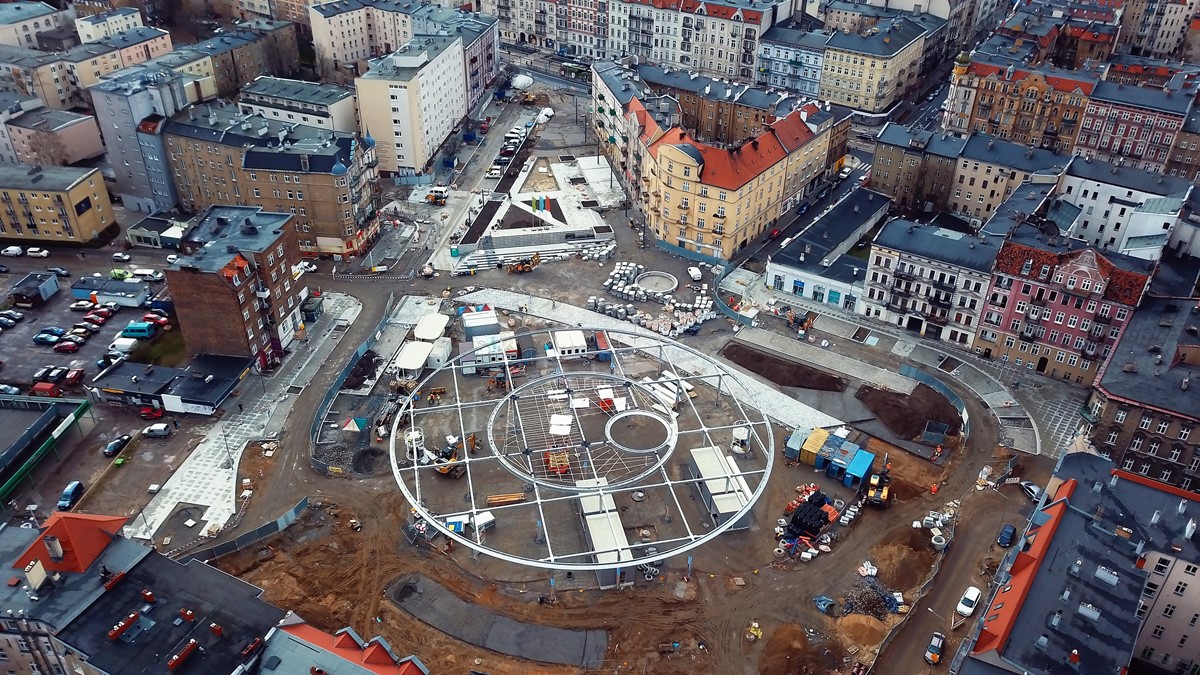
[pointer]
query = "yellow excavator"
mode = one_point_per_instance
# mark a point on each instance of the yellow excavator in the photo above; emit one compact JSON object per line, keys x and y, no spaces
{"x":449,"y":460}
{"x":524,"y":265}
{"x":879,"y":491}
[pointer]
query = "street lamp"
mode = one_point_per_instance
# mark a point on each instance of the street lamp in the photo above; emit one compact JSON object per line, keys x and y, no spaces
{"x":936,"y":614}
{"x":229,"y":457}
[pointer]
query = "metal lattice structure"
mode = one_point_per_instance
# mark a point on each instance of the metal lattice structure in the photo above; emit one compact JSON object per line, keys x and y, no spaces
{"x":582,"y":449}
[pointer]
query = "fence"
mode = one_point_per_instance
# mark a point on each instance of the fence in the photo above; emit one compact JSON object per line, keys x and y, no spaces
{"x":251,"y":538}
{"x":314,"y":431}
{"x":941,"y":388}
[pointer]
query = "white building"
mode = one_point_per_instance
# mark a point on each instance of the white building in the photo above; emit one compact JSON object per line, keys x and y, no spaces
{"x":326,"y":106}
{"x":1126,"y":210}
{"x":97,"y":26}
{"x":12,"y":106}
{"x":20,"y":22}
{"x":792,"y":59}
{"x":929,"y":280}
{"x":412,"y":99}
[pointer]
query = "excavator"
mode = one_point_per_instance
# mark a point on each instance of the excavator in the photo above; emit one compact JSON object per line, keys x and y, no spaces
{"x":524,"y":265}
{"x":879,"y":492}
{"x":449,"y":461}
{"x":437,"y":196}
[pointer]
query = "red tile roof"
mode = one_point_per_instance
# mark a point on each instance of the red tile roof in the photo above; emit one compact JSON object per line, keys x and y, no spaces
{"x":373,"y":657}
{"x":792,"y":131}
{"x":1058,"y":82}
{"x":1002,"y":615}
{"x":83,"y":538}
{"x":719,"y":11}
{"x":1124,"y":286}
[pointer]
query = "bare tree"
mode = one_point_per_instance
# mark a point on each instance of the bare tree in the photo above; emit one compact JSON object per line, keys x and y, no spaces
{"x":48,"y":150}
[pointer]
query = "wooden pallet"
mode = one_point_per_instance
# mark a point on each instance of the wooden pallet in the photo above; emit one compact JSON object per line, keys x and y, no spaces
{"x":505,"y":500}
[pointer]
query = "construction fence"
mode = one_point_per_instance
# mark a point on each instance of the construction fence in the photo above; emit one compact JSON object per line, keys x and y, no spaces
{"x":250,"y":539}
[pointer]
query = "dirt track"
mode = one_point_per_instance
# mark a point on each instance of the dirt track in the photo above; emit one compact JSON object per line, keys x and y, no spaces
{"x":783,"y":372}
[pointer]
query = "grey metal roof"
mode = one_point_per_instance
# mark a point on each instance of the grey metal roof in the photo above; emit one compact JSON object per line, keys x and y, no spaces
{"x":829,"y":232}
{"x":941,"y":145}
{"x":61,"y":602}
{"x":315,"y":93}
{"x":994,"y":150}
{"x":49,"y":178}
{"x":114,"y":42}
{"x":225,"y":43}
{"x":937,"y":243}
{"x":384,"y":67}
{"x":20,"y":11}
{"x":1176,"y":277}
{"x":618,"y":80}
{"x":715,"y":90}
{"x":26,"y":58}
{"x":1128,"y":177}
{"x":1150,"y":98}
{"x":132,"y":80}
{"x":213,"y":595}
{"x":1161,"y":323}
{"x":886,"y":39}
{"x":223,"y":232}
{"x":110,"y":286}
{"x":44,"y":119}
{"x":110,"y":14}
{"x":793,"y":38}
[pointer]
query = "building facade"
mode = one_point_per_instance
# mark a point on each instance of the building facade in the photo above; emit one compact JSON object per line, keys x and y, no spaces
{"x":53,"y":137}
{"x":915,"y":168}
{"x":326,"y":106}
{"x":1136,"y":124}
{"x":257,"y":48}
{"x":235,"y":286}
{"x":1156,"y":29}
{"x":20,"y":23}
{"x":929,"y":280}
{"x":423,"y":86}
{"x":716,"y":111}
{"x":328,"y":178}
{"x":54,"y":204}
{"x":792,"y":59}
{"x":872,"y":71}
{"x":97,"y":26}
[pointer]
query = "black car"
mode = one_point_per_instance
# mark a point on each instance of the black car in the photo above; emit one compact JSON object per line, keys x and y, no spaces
{"x":3,"y":269}
{"x":12,"y":314}
{"x":116,"y":445}
{"x":40,"y":375}
{"x":59,"y":271}
{"x":1008,"y":535}
{"x":7,"y":322}
{"x":56,"y":375}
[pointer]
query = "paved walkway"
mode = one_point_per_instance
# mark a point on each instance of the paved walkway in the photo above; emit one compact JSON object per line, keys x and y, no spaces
{"x":780,"y":407}
{"x":1018,"y":429}
{"x":825,"y":358}
{"x":209,"y":474}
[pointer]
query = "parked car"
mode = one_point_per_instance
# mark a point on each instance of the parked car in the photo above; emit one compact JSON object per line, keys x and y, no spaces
{"x":156,"y":319}
{"x":150,"y":413}
{"x":116,"y":445}
{"x":87,"y":326}
{"x":1008,"y":534}
{"x":119,"y":275}
{"x":56,"y":375}
{"x":7,"y":322}
{"x":172,"y":259}
{"x":160,"y":430}
{"x":10,"y":390}
{"x":98,"y":319}
{"x":74,"y":376}
{"x":70,"y":496}
{"x":45,"y":339}
{"x":104,"y":311}
{"x":121,"y":257}
{"x":933,"y":653}
{"x":494,"y":173}
{"x":53,"y":330}
{"x":75,"y":337}
{"x":41,"y":373}
{"x":66,"y":347}
{"x":12,"y":251}
{"x":60,"y":272}
{"x":161,"y":312}
{"x":1030,"y":489}
{"x":111,"y":306}
{"x":37,"y":253}
{"x":969,"y":601}
{"x":3,"y":269}
{"x":81,"y":306}
{"x":12,"y":314}
{"x":306,"y":266}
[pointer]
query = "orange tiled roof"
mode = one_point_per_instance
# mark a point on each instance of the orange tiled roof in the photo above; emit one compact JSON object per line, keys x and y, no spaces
{"x":83,"y":537}
{"x":373,"y":657}
{"x":720,"y":11}
{"x":236,"y":264}
{"x":1059,"y":83}
{"x":1002,"y":615}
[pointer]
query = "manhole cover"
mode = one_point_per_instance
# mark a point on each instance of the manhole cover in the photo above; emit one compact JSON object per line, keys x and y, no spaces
{"x":295,"y":389}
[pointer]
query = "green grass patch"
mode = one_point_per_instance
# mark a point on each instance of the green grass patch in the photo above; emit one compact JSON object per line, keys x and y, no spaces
{"x":167,"y":350}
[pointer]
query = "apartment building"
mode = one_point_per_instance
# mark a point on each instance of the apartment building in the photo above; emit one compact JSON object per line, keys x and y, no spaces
{"x":628,"y":116}
{"x":792,"y":59}
{"x":88,"y":63}
{"x":1141,"y":414}
{"x":716,"y":111}
{"x":257,"y":48}
{"x":993,"y":93}
{"x":97,"y":26}
{"x":1143,"y":71}
{"x":1184,"y":160}
{"x":12,"y":106}
{"x":53,"y":137}
{"x":27,"y":73}
{"x":1158,"y":29}
{"x":235,"y":285}
{"x":133,"y":105}
{"x":1137,"y":124}
{"x":929,"y":280}
{"x":872,"y":71}
{"x":714,"y":200}
{"x":915,"y":168}
{"x":422,"y":86}
{"x":1124,"y":209}
{"x":21,"y":22}
{"x":53,"y":204}
{"x":989,"y":170}
{"x":196,"y":67}
{"x":348,"y":32}
{"x":326,"y":106}
{"x":217,"y":155}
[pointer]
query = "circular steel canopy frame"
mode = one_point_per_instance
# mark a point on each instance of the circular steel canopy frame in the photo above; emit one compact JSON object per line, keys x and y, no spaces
{"x":600,"y":460}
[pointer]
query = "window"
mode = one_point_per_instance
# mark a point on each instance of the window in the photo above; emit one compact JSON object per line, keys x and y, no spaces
{"x":1145,"y":423}
{"x":1158,"y":631}
{"x":1162,"y":427}
{"x":1120,"y":416}
{"x":1180,"y":588}
{"x":1169,"y":610}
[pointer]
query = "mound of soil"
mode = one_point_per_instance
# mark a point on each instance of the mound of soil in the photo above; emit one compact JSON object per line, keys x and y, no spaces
{"x":906,"y":414}
{"x":904,"y":559}
{"x":789,"y":652}
{"x":782,"y":372}
{"x":864,"y":631}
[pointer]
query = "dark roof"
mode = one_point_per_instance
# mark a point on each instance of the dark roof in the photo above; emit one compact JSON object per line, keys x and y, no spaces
{"x":227,"y":373}
{"x":47,"y":119}
{"x":222,"y":232}
{"x":831,"y":232}
{"x":23,"y":11}
{"x":110,"y":14}
{"x":1053,"y":241}
{"x":137,"y":378}
{"x":1163,"y":325}
{"x":48,"y":178}
{"x":111,"y":43}
{"x":152,"y":224}
{"x":1176,"y":277}
{"x":937,"y":243}
{"x":1151,"y":98}
{"x":942,"y":145}
{"x":225,"y":42}
{"x":315,"y":93}
{"x":618,"y":80}
{"x":1011,"y":155}
{"x":886,"y":39}
{"x":109,"y":286}
{"x":716,"y":90}
{"x":1129,"y":177}
{"x":803,"y":39}
{"x":213,"y":596}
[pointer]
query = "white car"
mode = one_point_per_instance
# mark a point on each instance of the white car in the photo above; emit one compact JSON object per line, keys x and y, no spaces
{"x":969,"y":601}
{"x":121,"y":257}
{"x":307,"y":266}
{"x":37,"y":253}
{"x":172,"y":259}
{"x":12,"y":251}
{"x":81,"y":306}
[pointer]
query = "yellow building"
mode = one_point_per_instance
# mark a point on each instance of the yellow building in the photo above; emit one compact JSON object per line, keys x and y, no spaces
{"x":717,"y":200}
{"x":871,"y":71}
{"x":53,"y":204}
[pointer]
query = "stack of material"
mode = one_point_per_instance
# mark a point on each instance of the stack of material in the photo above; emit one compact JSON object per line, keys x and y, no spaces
{"x":811,"y":517}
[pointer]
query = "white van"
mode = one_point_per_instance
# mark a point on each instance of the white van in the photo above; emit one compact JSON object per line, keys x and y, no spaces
{"x":494,"y":172}
{"x":12,"y":252}
{"x":124,"y":345}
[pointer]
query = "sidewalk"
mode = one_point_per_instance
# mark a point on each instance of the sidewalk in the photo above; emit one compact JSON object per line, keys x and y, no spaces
{"x":1018,"y":429}
{"x":208,"y":476}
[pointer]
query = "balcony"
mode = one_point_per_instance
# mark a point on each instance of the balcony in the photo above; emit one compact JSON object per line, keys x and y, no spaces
{"x":904,"y":275}
{"x":719,"y":214}
{"x":1101,"y":318}
{"x":262,"y":293}
{"x":938,"y":301}
{"x":896,"y":306}
{"x":943,"y":285}
{"x":1027,"y":336}
{"x":1039,"y":302}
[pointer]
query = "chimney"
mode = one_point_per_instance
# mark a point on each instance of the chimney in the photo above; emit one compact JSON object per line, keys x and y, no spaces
{"x":1190,"y":529}
{"x":187,"y":614}
{"x":1157,"y":515}
{"x":216,"y":629}
{"x":1182,"y":508}
{"x":147,"y":595}
{"x":1112,"y":482}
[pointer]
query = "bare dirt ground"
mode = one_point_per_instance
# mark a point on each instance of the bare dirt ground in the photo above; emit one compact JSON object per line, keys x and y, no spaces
{"x":540,"y":179}
{"x":784,"y":372}
{"x":906,"y":415}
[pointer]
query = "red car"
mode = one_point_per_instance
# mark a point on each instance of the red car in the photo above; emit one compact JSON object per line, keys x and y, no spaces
{"x":66,"y":347}
{"x":74,"y":376}
{"x":155,"y":319}
{"x":105,"y":312}
{"x":150,"y":413}
{"x":97,"y":319}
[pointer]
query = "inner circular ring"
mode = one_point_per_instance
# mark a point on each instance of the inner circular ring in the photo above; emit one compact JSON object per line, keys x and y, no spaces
{"x":639,"y":432}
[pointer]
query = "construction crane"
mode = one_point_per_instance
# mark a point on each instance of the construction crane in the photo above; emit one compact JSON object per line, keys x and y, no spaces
{"x":879,"y":492}
{"x":525,"y":264}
